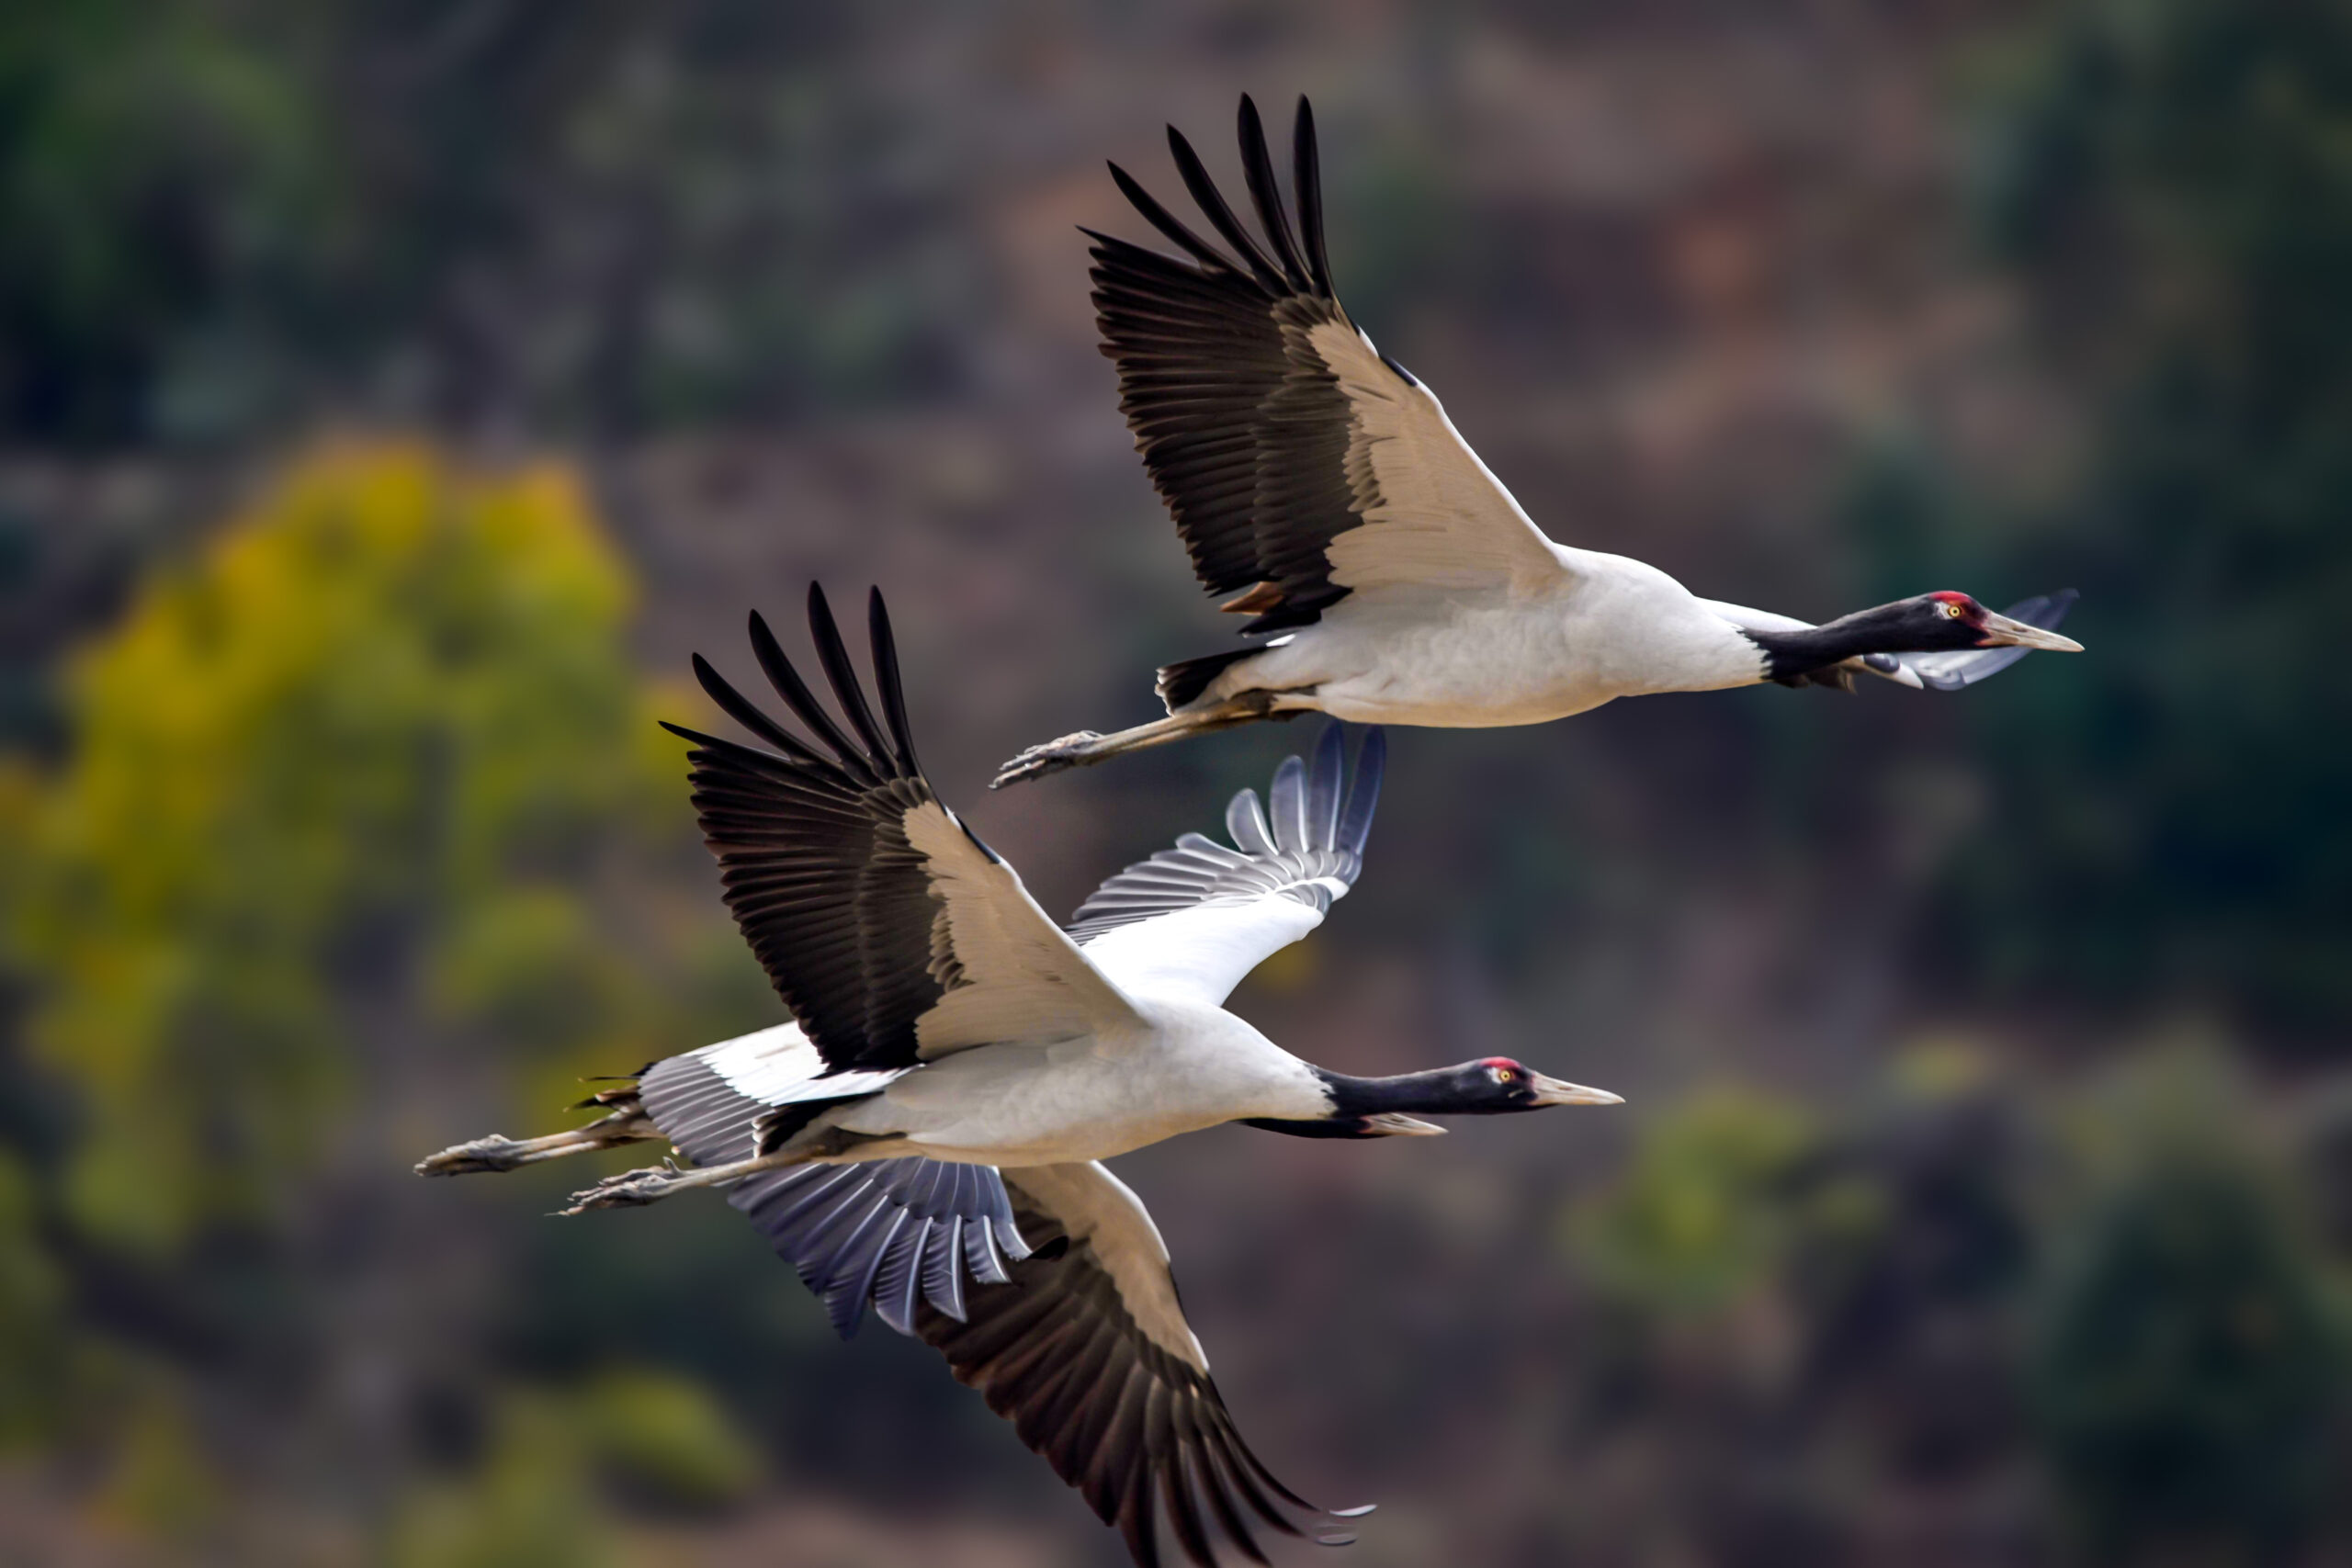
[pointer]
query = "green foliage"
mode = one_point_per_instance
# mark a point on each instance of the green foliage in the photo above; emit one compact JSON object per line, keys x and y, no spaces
{"x":605,"y":216}
{"x":556,"y":1460}
{"x":2171,"y":179}
{"x":664,"y":1439}
{"x":1701,"y":1219}
{"x":150,"y":161}
{"x":160,"y":1482}
{"x":346,"y":778}
{"x":32,"y":1316}
{"x":2191,"y":1358}
{"x":531,"y":1502}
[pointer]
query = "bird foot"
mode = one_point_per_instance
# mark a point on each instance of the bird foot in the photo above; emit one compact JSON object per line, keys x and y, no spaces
{"x":631,"y":1189}
{"x":496,"y":1152}
{"x":1052,"y":757}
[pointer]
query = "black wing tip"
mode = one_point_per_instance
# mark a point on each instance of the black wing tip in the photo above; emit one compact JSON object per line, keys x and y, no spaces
{"x":865,"y":758}
{"x":1213,"y":207}
{"x":1307,"y":183}
{"x":849,"y":691}
{"x":890,"y":684}
{"x":707,"y":675}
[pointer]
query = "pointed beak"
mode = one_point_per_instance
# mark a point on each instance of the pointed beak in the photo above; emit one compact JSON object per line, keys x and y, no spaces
{"x":2000,"y":631}
{"x":1555,"y":1091}
{"x":1395,"y":1124}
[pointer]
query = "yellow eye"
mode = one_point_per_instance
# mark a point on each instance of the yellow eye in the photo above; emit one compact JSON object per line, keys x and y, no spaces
{"x":1951,"y":609}
{"x":1503,"y":1074}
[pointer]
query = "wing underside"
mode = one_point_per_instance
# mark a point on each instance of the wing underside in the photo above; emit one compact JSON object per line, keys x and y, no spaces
{"x":1195,"y":918}
{"x":1087,"y":1352}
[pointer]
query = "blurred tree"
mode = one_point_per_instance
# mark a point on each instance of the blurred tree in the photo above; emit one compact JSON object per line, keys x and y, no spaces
{"x":155,"y":167}
{"x":1701,"y":1218}
{"x":554,"y":1456}
{"x":592,"y":216}
{"x":2170,"y":180}
{"x":366,"y":788}
{"x":349,"y":775}
{"x":2190,"y":1362}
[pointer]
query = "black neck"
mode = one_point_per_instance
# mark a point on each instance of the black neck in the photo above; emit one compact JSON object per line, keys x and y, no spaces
{"x":1465,"y":1091}
{"x":1790,"y":657}
{"x":1435,"y":1092}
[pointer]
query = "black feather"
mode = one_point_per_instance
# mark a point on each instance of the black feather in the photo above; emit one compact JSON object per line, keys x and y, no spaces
{"x":886,"y":677}
{"x":1258,"y":168}
{"x":1213,"y":207}
{"x":1307,"y":186}
{"x":834,"y":659}
{"x":802,"y":701}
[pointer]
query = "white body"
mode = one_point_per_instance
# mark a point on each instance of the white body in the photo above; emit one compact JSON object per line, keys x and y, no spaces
{"x":1462,"y":614}
{"x":1480,"y":658}
{"x":1186,"y":1065}
{"x":1089,"y":1099}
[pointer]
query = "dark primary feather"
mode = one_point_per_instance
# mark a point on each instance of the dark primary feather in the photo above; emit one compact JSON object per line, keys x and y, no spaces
{"x":1311,"y":836}
{"x":811,"y":841}
{"x":1140,"y":1433}
{"x":1242,"y":426}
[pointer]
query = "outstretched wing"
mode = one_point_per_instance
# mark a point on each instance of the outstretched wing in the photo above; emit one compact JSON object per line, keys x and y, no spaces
{"x":890,"y":1231}
{"x":1300,"y":462}
{"x":1192,"y":920}
{"x":1087,"y":1352}
{"x":893,"y":934}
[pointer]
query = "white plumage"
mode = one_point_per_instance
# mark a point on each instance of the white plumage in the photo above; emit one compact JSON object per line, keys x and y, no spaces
{"x":1322,"y":486}
{"x":923,"y":1138}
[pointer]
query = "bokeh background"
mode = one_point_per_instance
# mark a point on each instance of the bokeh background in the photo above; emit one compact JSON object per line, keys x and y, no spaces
{"x":392,"y":393}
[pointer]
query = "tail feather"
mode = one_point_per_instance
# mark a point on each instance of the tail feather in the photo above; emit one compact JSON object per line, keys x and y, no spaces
{"x":746,"y":1097}
{"x":1183,"y":682}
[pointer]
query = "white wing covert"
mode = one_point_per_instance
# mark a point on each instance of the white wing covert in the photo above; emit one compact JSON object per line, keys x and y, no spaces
{"x":1192,"y":920}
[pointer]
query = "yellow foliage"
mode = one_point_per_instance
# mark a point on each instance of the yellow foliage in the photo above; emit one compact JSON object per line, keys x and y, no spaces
{"x":346,"y":778}
{"x":665,"y":1436}
{"x":1699,"y":1218}
{"x":533,"y":1501}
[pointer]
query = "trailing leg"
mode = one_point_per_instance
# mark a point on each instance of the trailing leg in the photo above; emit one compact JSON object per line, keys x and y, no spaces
{"x":626,"y":1123}
{"x":1087,"y":748}
{"x":651,"y":1184}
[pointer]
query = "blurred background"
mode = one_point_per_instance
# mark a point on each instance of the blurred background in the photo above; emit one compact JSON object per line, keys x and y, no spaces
{"x":392,"y":393}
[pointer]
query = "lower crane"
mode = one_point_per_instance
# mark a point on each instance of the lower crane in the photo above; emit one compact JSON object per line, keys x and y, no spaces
{"x":926,"y":1135}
